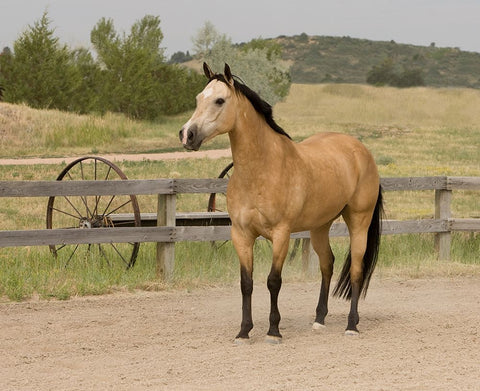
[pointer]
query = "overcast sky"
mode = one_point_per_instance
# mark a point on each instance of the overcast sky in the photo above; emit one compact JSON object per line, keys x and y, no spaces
{"x":448,"y":23}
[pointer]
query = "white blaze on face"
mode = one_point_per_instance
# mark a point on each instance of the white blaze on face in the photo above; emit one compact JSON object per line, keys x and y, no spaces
{"x":207,"y":92}
{"x":185,"y":133}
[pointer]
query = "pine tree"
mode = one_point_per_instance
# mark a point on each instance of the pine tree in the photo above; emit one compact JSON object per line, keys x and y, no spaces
{"x":41,"y":72}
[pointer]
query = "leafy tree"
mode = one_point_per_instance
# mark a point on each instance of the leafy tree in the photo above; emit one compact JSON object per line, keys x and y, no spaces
{"x":261,"y":71}
{"x":385,"y":74}
{"x":5,"y":67}
{"x":410,"y":78}
{"x":382,"y":74}
{"x":128,"y":63}
{"x":272,"y":48}
{"x":135,"y":79}
{"x":41,"y":72}
{"x":87,"y":94}
{"x":179,"y":86}
{"x":258,"y":63}
{"x":205,"y":39}
{"x":180,"y":57}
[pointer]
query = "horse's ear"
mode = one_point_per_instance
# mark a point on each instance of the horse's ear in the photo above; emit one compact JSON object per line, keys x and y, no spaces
{"x":228,"y":74}
{"x":208,"y":72}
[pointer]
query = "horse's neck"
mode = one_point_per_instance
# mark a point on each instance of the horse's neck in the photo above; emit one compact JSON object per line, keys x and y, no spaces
{"x":253,"y":143}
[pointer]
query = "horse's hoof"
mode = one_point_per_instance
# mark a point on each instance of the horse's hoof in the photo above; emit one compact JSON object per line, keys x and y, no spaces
{"x":352,"y":333}
{"x":318,"y":327}
{"x":242,"y":341}
{"x":273,"y":340}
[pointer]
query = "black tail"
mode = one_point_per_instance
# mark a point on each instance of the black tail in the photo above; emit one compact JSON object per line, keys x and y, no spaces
{"x":344,"y":286}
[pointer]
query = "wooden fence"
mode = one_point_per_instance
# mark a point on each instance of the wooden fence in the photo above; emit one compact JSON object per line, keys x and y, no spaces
{"x":166,"y":233}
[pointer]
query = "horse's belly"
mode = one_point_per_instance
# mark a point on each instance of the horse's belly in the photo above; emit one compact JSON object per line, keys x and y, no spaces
{"x":316,"y":218}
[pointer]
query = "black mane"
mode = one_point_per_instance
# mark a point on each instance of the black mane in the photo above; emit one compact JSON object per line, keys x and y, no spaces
{"x":258,"y":103}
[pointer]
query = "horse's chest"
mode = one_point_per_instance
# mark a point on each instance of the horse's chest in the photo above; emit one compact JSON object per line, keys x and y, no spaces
{"x":258,"y":209}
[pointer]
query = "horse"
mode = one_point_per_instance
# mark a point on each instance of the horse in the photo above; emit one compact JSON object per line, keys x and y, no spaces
{"x":279,"y":187}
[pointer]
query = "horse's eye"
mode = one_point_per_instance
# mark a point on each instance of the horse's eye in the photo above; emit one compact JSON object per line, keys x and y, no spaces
{"x":220,"y":101}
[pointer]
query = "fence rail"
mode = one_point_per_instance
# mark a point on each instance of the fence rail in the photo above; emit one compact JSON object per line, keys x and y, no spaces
{"x":167,"y":232}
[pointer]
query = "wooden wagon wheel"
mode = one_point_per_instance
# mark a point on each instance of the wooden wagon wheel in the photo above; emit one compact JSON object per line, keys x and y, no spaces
{"x":212,"y":207}
{"x":90,"y":212}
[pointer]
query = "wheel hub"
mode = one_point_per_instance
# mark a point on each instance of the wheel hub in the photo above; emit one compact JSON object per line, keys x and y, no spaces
{"x":95,"y":222}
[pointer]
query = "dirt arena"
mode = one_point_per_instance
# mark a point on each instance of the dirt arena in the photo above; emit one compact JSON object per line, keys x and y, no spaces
{"x":415,"y":335}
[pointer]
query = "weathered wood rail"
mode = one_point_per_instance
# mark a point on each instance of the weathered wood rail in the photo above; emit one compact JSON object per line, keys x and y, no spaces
{"x":167,"y":229}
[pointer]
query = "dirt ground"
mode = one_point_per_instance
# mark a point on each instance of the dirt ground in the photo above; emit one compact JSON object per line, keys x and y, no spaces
{"x":415,"y":335}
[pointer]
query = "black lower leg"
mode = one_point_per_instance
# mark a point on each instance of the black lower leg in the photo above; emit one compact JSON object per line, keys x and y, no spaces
{"x":322,"y":307}
{"x":246,"y":284}
{"x":274,"y":284}
{"x":353,"y":317}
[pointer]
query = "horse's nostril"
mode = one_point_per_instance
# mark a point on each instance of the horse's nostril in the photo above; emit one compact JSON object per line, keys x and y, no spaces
{"x":180,"y":134}
{"x":190,"y":135}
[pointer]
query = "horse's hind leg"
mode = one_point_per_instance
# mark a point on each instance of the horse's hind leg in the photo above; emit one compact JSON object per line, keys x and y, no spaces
{"x":321,"y":245}
{"x":358,"y":226}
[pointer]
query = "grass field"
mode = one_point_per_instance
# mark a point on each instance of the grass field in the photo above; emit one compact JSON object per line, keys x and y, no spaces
{"x":411,"y":132}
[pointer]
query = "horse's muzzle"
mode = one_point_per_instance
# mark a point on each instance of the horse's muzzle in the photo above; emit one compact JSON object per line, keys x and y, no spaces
{"x":190,"y":138}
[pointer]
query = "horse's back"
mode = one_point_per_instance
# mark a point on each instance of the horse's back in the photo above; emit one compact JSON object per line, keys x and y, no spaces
{"x":342,"y":151}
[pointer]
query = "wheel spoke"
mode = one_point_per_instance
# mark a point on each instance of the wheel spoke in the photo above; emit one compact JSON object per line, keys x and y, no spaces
{"x":73,"y":206}
{"x":120,"y":254}
{"x":117,"y":208}
{"x":108,"y":173}
{"x":71,"y":255}
{"x":108,"y":205}
{"x":60,"y":247}
{"x":103,"y":254}
{"x":68,"y":214}
{"x":81,"y":171}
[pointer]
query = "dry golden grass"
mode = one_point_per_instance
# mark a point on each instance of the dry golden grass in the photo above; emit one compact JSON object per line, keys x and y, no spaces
{"x":30,"y":132}
{"x":310,"y":108}
{"x":416,"y":131}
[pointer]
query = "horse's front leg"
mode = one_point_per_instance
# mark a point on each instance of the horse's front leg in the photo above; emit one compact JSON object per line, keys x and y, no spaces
{"x":243,"y":244}
{"x":280,"y":243}
{"x":321,"y":245}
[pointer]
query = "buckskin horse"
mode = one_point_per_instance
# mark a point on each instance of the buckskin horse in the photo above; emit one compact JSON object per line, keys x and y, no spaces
{"x":279,"y":187}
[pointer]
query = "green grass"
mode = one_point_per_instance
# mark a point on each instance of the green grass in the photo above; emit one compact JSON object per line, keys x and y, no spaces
{"x":33,"y":272}
{"x":415,"y":132}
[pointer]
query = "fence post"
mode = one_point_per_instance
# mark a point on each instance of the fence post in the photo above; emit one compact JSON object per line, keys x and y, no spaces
{"x":443,"y":240}
{"x":166,"y":210}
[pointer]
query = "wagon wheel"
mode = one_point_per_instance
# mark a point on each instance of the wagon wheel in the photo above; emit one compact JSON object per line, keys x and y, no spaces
{"x":212,"y":201}
{"x":212,"y":207}
{"x":89,"y":212}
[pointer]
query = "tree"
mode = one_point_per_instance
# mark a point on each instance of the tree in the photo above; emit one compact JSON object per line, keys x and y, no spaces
{"x":261,"y":68}
{"x":410,"y":78}
{"x":135,"y":79}
{"x":257,"y":62}
{"x":382,"y":74}
{"x":272,"y":48}
{"x":87,"y":94}
{"x":128,"y":63}
{"x":41,"y":72}
{"x":385,"y":74}
{"x":205,"y":39}
{"x":180,"y":57}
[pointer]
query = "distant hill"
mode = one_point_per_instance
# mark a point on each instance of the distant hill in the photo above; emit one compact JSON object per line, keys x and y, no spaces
{"x":322,"y":59}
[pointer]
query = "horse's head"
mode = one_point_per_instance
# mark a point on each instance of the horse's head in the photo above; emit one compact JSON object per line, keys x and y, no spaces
{"x":215,"y":113}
